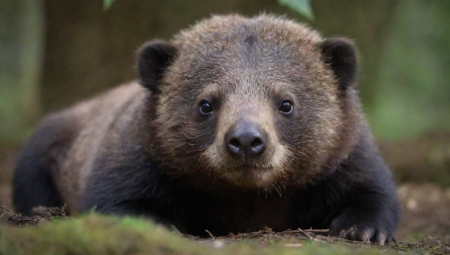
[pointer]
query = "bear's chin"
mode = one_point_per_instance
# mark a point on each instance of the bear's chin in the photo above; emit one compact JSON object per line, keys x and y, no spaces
{"x":251,"y":176}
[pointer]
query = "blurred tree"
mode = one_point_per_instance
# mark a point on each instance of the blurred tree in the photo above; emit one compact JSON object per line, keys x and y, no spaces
{"x":412,"y":90}
{"x":368,"y":23}
{"x":21,"y":49}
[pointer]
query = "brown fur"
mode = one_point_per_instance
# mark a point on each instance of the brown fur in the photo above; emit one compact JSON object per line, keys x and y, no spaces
{"x":91,"y":121}
{"x":148,"y":150}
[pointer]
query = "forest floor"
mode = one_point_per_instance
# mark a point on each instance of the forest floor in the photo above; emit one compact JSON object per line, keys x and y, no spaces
{"x":424,"y":229}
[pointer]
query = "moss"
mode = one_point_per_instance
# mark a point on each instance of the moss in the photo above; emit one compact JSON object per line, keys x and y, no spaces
{"x":96,"y":234}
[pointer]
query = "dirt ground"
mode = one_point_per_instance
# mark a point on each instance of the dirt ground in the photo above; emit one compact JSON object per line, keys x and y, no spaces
{"x":425,"y":206}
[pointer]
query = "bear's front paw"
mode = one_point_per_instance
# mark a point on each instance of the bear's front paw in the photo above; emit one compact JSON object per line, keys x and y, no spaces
{"x":365,"y":232}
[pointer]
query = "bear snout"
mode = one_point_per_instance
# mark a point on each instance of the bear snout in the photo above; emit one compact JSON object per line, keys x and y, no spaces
{"x":245,"y":140}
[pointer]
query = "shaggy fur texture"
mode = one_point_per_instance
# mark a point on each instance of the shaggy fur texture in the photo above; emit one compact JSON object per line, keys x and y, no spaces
{"x":150,"y":150}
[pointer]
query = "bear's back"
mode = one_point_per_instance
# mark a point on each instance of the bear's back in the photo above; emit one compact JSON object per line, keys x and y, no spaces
{"x":66,"y":143}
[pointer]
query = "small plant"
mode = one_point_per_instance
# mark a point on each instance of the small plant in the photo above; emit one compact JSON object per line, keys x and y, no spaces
{"x":107,"y":4}
{"x":301,"y":6}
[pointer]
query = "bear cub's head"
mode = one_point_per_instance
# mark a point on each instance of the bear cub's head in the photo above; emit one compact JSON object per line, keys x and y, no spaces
{"x":252,"y":103}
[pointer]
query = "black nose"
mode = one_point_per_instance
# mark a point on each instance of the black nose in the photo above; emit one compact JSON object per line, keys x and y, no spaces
{"x":245,"y":139}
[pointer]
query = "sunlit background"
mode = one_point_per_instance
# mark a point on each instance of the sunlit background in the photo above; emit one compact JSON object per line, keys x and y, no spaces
{"x":54,"y":53}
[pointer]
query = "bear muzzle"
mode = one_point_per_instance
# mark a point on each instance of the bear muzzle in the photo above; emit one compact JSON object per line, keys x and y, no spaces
{"x":245,"y":141}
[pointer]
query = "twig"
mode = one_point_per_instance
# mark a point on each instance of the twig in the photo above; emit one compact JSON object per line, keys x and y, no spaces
{"x":211,"y":235}
{"x":317,"y":230}
{"x":306,"y":234}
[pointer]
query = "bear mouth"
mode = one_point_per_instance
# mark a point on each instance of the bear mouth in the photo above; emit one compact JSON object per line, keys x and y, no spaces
{"x":251,"y":175}
{"x":254,"y":167}
{"x":245,"y":167}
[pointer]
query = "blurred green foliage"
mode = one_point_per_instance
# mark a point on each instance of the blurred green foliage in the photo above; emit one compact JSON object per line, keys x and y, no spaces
{"x":107,"y":4}
{"x":301,"y":6}
{"x":21,"y":56}
{"x":412,"y":94}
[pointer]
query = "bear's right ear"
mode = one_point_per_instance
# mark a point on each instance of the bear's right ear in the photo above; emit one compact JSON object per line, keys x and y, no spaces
{"x":153,"y":59}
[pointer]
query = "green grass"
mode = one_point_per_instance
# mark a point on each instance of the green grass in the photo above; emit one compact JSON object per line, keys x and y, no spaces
{"x":96,"y":234}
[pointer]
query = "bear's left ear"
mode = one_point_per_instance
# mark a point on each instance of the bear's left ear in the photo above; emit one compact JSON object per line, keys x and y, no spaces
{"x":153,"y":59}
{"x":340,"y":54}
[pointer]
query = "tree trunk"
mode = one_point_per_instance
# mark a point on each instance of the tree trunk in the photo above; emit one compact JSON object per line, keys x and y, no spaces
{"x":21,"y":48}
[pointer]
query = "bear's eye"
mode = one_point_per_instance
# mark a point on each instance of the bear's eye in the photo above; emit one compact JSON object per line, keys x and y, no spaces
{"x":286,"y":107}
{"x":205,"y":108}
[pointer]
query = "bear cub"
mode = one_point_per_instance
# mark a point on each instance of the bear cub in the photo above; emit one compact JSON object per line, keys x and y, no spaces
{"x":235,"y":125}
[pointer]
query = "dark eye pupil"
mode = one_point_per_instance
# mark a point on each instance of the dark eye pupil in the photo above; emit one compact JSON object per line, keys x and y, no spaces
{"x":286,"y":107}
{"x":205,"y":108}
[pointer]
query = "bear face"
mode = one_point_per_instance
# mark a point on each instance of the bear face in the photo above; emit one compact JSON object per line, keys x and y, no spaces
{"x":260,"y":102}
